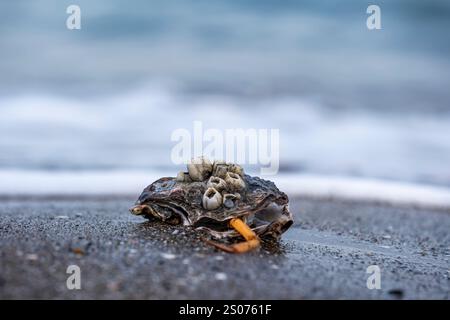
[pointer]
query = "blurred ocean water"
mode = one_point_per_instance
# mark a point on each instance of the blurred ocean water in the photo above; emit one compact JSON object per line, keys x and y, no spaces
{"x":347,"y":101}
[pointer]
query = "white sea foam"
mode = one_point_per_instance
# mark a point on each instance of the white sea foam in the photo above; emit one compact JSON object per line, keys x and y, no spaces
{"x":365,"y":189}
{"x":15,"y":182}
{"x":132,"y":131}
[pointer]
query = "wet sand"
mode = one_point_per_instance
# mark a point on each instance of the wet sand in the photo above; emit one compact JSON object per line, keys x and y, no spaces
{"x":324,"y":255}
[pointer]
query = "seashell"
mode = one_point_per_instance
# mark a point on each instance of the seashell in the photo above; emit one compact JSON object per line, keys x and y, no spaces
{"x":255,"y":201}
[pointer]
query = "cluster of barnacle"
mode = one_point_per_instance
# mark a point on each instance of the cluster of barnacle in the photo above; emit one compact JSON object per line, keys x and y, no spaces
{"x":224,"y":182}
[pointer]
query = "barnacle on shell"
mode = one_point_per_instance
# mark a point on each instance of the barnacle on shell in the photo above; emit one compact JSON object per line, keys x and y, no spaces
{"x":200,"y":169}
{"x":183,"y":177}
{"x":229,"y":200}
{"x":212,"y":199}
{"x":217,"y":183}
{"x":220,"y":169}
{"x":235,"y":168}
{"x":234,"y":181}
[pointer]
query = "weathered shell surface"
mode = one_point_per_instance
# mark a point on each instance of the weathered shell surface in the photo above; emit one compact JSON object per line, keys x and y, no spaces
{"x":244,"y":196}
{"x":188,"y":196}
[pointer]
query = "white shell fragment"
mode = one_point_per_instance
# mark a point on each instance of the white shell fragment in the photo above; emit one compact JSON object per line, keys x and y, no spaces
{"x":221,"y":276}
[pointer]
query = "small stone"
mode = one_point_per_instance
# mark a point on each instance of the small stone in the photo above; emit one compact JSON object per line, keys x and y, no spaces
{"x":386,"y":237}
{"x":175,"y":232}
{"x":80,"y":246}
{"x":32,"y":256}
{"x":221,"y":276}
{"x":385,"y":247}
{"x":396,"y":293}
{"x":78,"y":251}
{"x":228,"y":203}
{"x":168,"y":256}
{"x":62,"y":217}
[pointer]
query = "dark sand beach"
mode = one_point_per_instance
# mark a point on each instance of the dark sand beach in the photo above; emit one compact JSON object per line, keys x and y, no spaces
{"x":324,"y":255}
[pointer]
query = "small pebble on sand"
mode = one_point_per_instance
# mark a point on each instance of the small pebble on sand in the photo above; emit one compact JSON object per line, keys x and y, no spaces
{"x":168,"y":256}
{"x":31,"y":256}
{"x":221,"y":276}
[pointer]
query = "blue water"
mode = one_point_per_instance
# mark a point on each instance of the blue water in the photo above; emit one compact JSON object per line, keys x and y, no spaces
{"x":347,"y":100}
